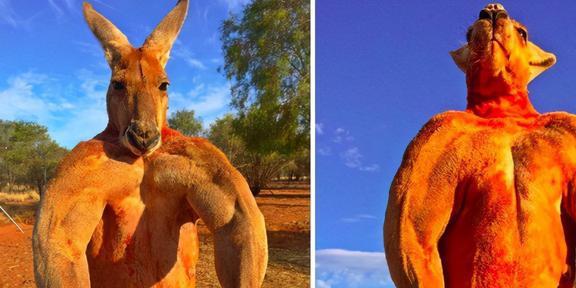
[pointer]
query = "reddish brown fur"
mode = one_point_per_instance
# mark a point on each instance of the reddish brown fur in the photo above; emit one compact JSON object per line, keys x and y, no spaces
{"x":117,"y":215}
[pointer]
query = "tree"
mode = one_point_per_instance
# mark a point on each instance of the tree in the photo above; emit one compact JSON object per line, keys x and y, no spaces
{"x":28,"y":157}
{"x":43,"y":162}
{"x":222,"y":135}
{"x":267,"y":58}
{"x":186,"y":122}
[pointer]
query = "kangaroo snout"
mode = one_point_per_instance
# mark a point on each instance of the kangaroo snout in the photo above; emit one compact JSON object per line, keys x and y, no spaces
{"x":142,"y":136}
{"x":492,"y":12}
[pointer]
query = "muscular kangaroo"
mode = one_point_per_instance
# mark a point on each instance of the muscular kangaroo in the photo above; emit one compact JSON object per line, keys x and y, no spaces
{"x":486,"y":197}
{"x":123,"y":207}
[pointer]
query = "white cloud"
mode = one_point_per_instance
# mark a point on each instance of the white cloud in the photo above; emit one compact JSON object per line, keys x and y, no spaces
{"x":9,"y":16}
{"x":182,"y":52}
{"x":345,"y":268}
{"x":7,"y":13}
{"x":102,"y":3}
{"x":83,"y":124}
{"x":56,"y":7}
{"x":216,"y":61}
{"x":323,"y":150}
{"x":358,"y":218}
{"x":21,"y":100}
{"x":195,"y":63}
{"x":213,"y":99}
{"x":91,"y":48}
{"x":88,"y":116}
{"x":319,"y":128}
{"x":209,"y":103}
{"x":341,"y":141}
{"x":205,"y":13}
{"x":342,"y":135}
{"x":353,"y":159}
{"x":38,"y":98}
{"x":62,"y":7}
{"x":69,"y":4}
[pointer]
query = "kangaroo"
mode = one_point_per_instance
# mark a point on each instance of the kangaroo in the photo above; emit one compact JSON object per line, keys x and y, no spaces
{"x":123,"y":208}
{"x":486,"y":197}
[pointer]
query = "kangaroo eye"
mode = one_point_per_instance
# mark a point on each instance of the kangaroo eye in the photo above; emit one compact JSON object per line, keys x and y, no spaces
{"x":117,"y":85}
{"x":523,"y":33}
{"x":164,"y":86}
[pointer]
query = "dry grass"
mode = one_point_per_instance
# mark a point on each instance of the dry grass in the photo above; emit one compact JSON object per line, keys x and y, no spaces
{"x":19,"y":197}
{"x":20,"y":205}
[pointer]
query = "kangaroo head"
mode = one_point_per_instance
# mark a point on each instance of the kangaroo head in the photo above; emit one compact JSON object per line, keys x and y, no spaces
{"x":137,"y":99}
{"x":499,"y":59}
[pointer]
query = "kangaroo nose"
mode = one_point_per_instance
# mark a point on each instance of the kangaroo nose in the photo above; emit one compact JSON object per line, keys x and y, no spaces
{"x":142,"y":137}
{"x":493,"y":12}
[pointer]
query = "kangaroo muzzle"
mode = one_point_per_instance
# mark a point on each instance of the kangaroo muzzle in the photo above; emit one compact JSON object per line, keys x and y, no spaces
{"x":142,"y":138}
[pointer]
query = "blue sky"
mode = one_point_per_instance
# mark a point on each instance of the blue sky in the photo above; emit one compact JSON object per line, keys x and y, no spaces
{"x":53,"y":71}
{"x":382,"y":70}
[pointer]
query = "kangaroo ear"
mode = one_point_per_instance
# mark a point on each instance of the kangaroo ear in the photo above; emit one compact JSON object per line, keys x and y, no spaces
{"x":540,"y":60}
{"x":164,"y":35}
{"x":460,"y":57}
{"x":112,"y":40}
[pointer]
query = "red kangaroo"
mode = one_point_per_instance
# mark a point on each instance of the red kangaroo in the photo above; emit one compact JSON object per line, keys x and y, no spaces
{"x":486,"y":197}
{"x":123,"y":208}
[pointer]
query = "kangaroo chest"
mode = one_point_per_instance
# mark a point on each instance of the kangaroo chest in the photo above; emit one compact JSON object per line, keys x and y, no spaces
{"x":146,"y":236}
{"x":509,"y":219}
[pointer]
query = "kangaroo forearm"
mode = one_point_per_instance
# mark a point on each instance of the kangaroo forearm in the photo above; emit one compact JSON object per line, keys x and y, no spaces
{"x":56,"y":265}
{"x":410,"y":264}
{"x":415,"y":270}
{"x":241,"y":254}
{"x":56,"y":270}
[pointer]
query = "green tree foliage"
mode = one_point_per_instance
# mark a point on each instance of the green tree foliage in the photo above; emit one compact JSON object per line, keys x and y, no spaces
{"x":257,"y":168}
{"x":267,"y":58}
{"x":186,"y":122}
{"x":222,"y":135}
{"x":28,"y":157}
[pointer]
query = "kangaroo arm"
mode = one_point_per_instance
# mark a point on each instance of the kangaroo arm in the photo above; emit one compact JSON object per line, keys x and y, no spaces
{"x":240,"y":244}
{"x":70,"y":210}
{"x":60,"y":239}
{"x":220,"y":196}
{"x":419,"y":209}
{"x":241,"y":249}
{"x":411,"y":238}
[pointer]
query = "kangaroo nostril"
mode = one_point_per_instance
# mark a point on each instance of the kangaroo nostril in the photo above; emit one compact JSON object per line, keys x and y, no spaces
{"x":485,"y":14}
{"x":134,"y":139}
{"x":501,"y":14}
{"x":142,"y":140}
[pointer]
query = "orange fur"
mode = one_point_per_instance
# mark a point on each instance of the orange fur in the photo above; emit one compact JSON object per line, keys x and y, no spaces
{"x":123,"y":208}
{"x":485,"y":197}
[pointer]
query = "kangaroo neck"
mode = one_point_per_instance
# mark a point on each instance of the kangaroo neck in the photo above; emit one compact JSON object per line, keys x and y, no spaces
{"x":501,"y":105}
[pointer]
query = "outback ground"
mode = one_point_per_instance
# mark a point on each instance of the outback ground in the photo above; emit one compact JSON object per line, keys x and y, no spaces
{"x":286,"y":207}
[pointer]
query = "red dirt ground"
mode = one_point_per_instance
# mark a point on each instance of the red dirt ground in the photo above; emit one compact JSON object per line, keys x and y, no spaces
{"x":287,"y":213}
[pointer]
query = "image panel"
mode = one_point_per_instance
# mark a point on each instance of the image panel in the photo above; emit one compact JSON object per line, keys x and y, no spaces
{"x":464,"y":197}
{"x":161,"y":144}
